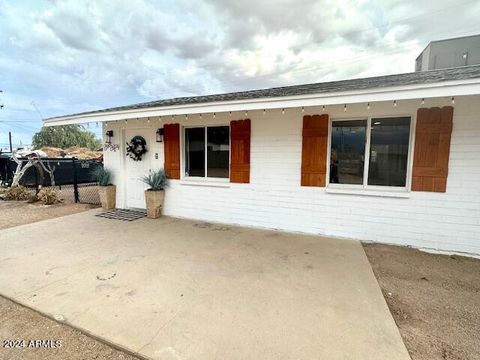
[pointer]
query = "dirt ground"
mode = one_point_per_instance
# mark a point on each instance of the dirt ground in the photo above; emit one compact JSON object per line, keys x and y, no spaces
{"x":20,"y":323}
{"x":14,"y":213}
{"x":434,"y":299}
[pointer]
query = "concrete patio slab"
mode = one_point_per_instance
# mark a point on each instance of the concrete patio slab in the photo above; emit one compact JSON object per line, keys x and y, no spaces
{"x":180,"y":289}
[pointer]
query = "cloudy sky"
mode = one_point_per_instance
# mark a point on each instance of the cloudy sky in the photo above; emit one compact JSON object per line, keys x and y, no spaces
{"x":59,"y":57}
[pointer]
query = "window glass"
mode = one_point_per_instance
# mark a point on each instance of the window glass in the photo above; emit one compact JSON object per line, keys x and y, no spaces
{"x":218,"y":151}
{"x":195,"y":151}
{"x":347,"y":151}
{"x":389,"y":141}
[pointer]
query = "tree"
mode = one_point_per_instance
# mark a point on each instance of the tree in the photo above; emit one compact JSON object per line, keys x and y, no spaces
{"x":33,"y":160}
{"x":65,"y":136}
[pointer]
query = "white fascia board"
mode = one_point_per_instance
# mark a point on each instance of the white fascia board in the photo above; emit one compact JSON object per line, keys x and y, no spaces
{"x":417,"y":91}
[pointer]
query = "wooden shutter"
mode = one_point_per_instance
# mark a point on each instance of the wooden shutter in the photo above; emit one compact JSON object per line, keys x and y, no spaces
{"x":432,"y":149}
{"x":314,"y":150}
{"x":240,"y":151}
{"x":171,"y":143}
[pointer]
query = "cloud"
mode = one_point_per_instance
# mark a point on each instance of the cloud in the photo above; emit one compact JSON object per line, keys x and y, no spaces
{"x":71,"y":55}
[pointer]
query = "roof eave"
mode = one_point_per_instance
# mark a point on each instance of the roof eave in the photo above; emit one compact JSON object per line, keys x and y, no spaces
{"x":415,"y":91}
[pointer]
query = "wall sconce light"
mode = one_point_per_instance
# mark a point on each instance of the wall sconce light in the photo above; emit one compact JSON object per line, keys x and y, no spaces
{"x":159,"y":135}
{"x":108,"y":136}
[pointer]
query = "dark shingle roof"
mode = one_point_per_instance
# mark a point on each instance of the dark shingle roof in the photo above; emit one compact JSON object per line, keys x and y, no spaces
{"x":424,"y":77}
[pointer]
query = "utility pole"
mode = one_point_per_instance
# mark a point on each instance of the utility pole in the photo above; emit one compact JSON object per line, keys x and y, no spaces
{"x":9,"y":133}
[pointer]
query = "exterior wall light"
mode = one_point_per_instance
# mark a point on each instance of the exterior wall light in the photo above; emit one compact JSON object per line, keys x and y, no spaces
{"x":159,"y":135}
{"x":108,"y":136}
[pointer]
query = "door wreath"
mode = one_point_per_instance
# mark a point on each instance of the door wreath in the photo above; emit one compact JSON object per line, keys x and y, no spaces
{"x":136,"y":148}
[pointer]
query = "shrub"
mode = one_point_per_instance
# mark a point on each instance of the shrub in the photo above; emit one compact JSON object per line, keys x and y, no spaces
{"x":3,"y":192}
{"x":156,"y":180}
{"x":49,"y":196}
{"x":17,"y":193}
{"x":103,"y":176}
{"x":33,"y":199}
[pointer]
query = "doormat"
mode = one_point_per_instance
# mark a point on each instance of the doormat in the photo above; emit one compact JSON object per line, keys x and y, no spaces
{"x":123,"y":214}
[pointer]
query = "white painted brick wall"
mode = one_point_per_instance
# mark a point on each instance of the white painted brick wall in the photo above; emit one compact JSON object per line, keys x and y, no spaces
{"x":275,"y":199}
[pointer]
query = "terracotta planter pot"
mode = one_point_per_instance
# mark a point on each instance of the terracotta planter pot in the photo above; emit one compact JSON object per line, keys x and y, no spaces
{"x":154,"y":200}
{"x":108,"y":196}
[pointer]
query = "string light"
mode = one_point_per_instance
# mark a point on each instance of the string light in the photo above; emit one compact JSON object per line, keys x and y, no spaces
{"x":160,"y":119}
{"x":368,"y":106}
{"x":246,"y":112}
{"x":173,"y":117}
{"x":453,"y":100}
{"x":230,"y":114}
{"x":395,"y":103}
{"x":323,"y":108}
{"x":345,"y":108}
{"x":125,"y":121}
{"x":214,"y":115}
{"x":148,"y":120}
{"x":186,"y":117}
{"x":423,"y":101}
{"x":200,"y":116}
{"x":283,"y":111}
{"x":264,"y":112}
{"x":303,"y":109}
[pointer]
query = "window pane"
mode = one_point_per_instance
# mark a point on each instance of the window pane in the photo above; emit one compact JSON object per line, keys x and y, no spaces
{"x":389,"y":151}
{"x":195,"y":151}
{"x":218,"y":151}
{"x":347,"y":151}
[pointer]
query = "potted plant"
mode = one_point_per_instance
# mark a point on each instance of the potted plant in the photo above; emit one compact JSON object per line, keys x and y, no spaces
{"x":154,"y":195}
{"x":106,"y":189}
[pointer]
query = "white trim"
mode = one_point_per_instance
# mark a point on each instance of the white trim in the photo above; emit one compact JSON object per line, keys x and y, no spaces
{"x":369,"y":192}
{"x":411,"y":150}
{"x":207,"y":183}
{"x":406,"y":92}
{"x":365,"y":189}
{"x":123,"y":156}
{"x":366,"y":154}
{"x":203,"y":179}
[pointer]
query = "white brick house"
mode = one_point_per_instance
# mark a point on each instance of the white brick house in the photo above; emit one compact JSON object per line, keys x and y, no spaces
{"x":375,"y":167}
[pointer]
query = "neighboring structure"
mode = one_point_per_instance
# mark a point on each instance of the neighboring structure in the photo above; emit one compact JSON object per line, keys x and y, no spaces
{"x":449,"y":53}
{"x":393,"y":159}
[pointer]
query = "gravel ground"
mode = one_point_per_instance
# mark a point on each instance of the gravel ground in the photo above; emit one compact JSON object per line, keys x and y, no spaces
{"x":14,"y":213}
{"x":434,"y":299}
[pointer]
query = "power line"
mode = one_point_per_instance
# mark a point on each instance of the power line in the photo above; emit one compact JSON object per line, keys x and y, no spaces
{"x":403,"y":20}
{"x":21,"y":126}
{"x":8,"y":119}
{"x":301,"y":70}
{"x":38,"y":111}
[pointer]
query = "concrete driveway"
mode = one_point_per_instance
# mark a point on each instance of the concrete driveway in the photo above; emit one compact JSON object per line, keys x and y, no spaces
{"x":178,"y":289}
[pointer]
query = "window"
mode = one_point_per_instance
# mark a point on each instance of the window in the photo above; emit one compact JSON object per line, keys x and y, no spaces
{"x":348,"y":151}
{"x":370,"y":152}
{"x":207,"y":152}
{"x":389,"y":139}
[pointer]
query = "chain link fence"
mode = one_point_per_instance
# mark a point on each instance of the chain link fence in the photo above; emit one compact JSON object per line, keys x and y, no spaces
{"x":82,"y":193}
{"x":74,"y":178}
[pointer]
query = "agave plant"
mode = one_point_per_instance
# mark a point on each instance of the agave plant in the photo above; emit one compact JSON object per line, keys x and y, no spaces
{"x":156,"y":180}
{"x":103,"y":176}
